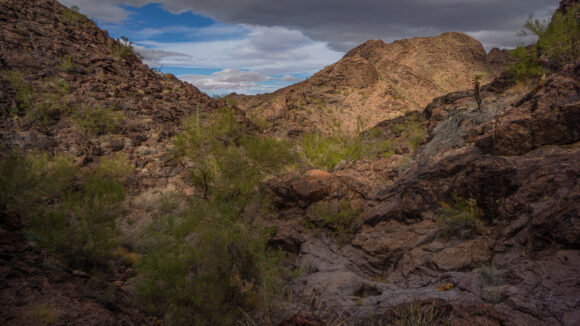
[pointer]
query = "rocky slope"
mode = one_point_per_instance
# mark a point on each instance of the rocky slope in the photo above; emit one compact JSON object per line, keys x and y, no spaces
{"x":375,"y":81}
{"x":78,"y":69}
{"x":48,"y":45}
{"x":517,"y":158}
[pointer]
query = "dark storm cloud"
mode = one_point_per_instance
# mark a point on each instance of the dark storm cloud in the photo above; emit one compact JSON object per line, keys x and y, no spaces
{"x":347,"y":23}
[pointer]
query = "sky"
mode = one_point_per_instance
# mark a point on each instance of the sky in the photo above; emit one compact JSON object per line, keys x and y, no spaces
{"x":258,"y":46}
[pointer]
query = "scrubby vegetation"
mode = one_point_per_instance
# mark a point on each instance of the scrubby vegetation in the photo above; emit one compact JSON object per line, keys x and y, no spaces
{"x":325,"y":152}
{"x":417,"y":314}
{"x":66,"y":211}
{"x":48,"y":102}
{"x":97,"y":120}
{"x":460,"y":218}
{"x":339,"y":217}
{"x":123,"y":48}
{"x":208,"y":264}
{"x":490,"y":284}
{"x":558,"y":42}
{"x":413,"y":131}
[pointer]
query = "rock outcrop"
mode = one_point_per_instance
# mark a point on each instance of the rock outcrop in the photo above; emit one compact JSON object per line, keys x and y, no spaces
{"x":375,"y":81}
{"x":517,"y":158}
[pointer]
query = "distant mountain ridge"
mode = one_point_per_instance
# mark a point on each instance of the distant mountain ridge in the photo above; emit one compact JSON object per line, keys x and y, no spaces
{"x":376,"y":81}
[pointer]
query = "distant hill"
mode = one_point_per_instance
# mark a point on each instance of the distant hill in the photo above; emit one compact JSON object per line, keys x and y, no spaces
{"x":375,"y":81}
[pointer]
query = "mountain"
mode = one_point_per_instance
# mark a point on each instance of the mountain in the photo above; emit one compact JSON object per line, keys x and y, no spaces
{"x":375,"y":81}
{"x":128,"y":197}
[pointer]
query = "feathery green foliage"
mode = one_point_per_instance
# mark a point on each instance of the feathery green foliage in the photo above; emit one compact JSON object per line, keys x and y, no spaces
{"x":203,"y":266}
{"x":69,"y":213}
{"x":325,"y":152}
{"x":558,"y":42}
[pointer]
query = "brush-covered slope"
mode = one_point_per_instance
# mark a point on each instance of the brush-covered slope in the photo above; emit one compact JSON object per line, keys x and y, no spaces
{"x":373,"y":82}
{"x":67,"y":87}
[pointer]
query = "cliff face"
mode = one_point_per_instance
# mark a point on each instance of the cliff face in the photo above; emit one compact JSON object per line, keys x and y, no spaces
{"x":376,"y":81}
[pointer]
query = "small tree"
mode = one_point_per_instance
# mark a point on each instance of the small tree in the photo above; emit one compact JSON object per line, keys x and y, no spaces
{"x":476,"y":79}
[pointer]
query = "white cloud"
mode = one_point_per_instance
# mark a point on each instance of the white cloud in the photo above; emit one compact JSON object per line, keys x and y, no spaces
{"x":266,"y":50}
{"x":229,"y":81}
{"x":290,"y":78}
{"x":214,"y":31}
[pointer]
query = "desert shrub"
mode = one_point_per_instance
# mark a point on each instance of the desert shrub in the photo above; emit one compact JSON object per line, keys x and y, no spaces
{"x":40,"y":106}
{"x":69,"y":213}
{"x":50,"y":103}
{"x":558,"y":42}
{"x":231,"y":101}
{"x":123,"y":48}
{"x":417,"y":314}
{"x":27,"y":181}
{"x":322,"y":152}
{"x":73,"y":17}
{"x":526,"y":64}
{"x":229,"y":163}
{"x":66,"y":64}
{"x":96,"y":120}
{"x":460,"y":218}
{"x":325,"y":152}
{"x":23,"y":97}
{"x":490,"y":284}
{"x":339,"y":217}
{"x":206,"y":264}
{"x":413,"y":131}
{"x":261,"y":123}
{"x":560,"y":39}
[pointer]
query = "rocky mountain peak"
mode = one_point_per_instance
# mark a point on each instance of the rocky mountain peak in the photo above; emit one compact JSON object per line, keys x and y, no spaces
{"x":376,"y":81}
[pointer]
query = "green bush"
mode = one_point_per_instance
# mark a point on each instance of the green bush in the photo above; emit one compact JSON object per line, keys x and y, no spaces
{"x":413,"y":131}
{"x":417,"y":314}
{"x":560,"y":39}
{"x":526,"y":64}
{"x":558,"y":42}
{"x":23,"y":98}
{"x":73,"y":17}
{"x":66,"y":64}
{"x":339,"y":217}
{"x":325,"y":152}
{"x":97,"y":120}
{"x":42,"y":106}
{"x":207,"y":264}
{"x":229,"y":163}
{"x":67,"y":212}
{"x":461,"y":218}
{"x":490,"y":284}
{"x":123,"y":48}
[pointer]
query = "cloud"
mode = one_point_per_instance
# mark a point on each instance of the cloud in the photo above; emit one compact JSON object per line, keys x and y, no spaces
{"x":214,"y":31}
{"x":290,"y":78}
{"x":229,"y":80}
{"x":154,"y":58}
{"x":347,"y":23}
{"x":261,"y":51}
